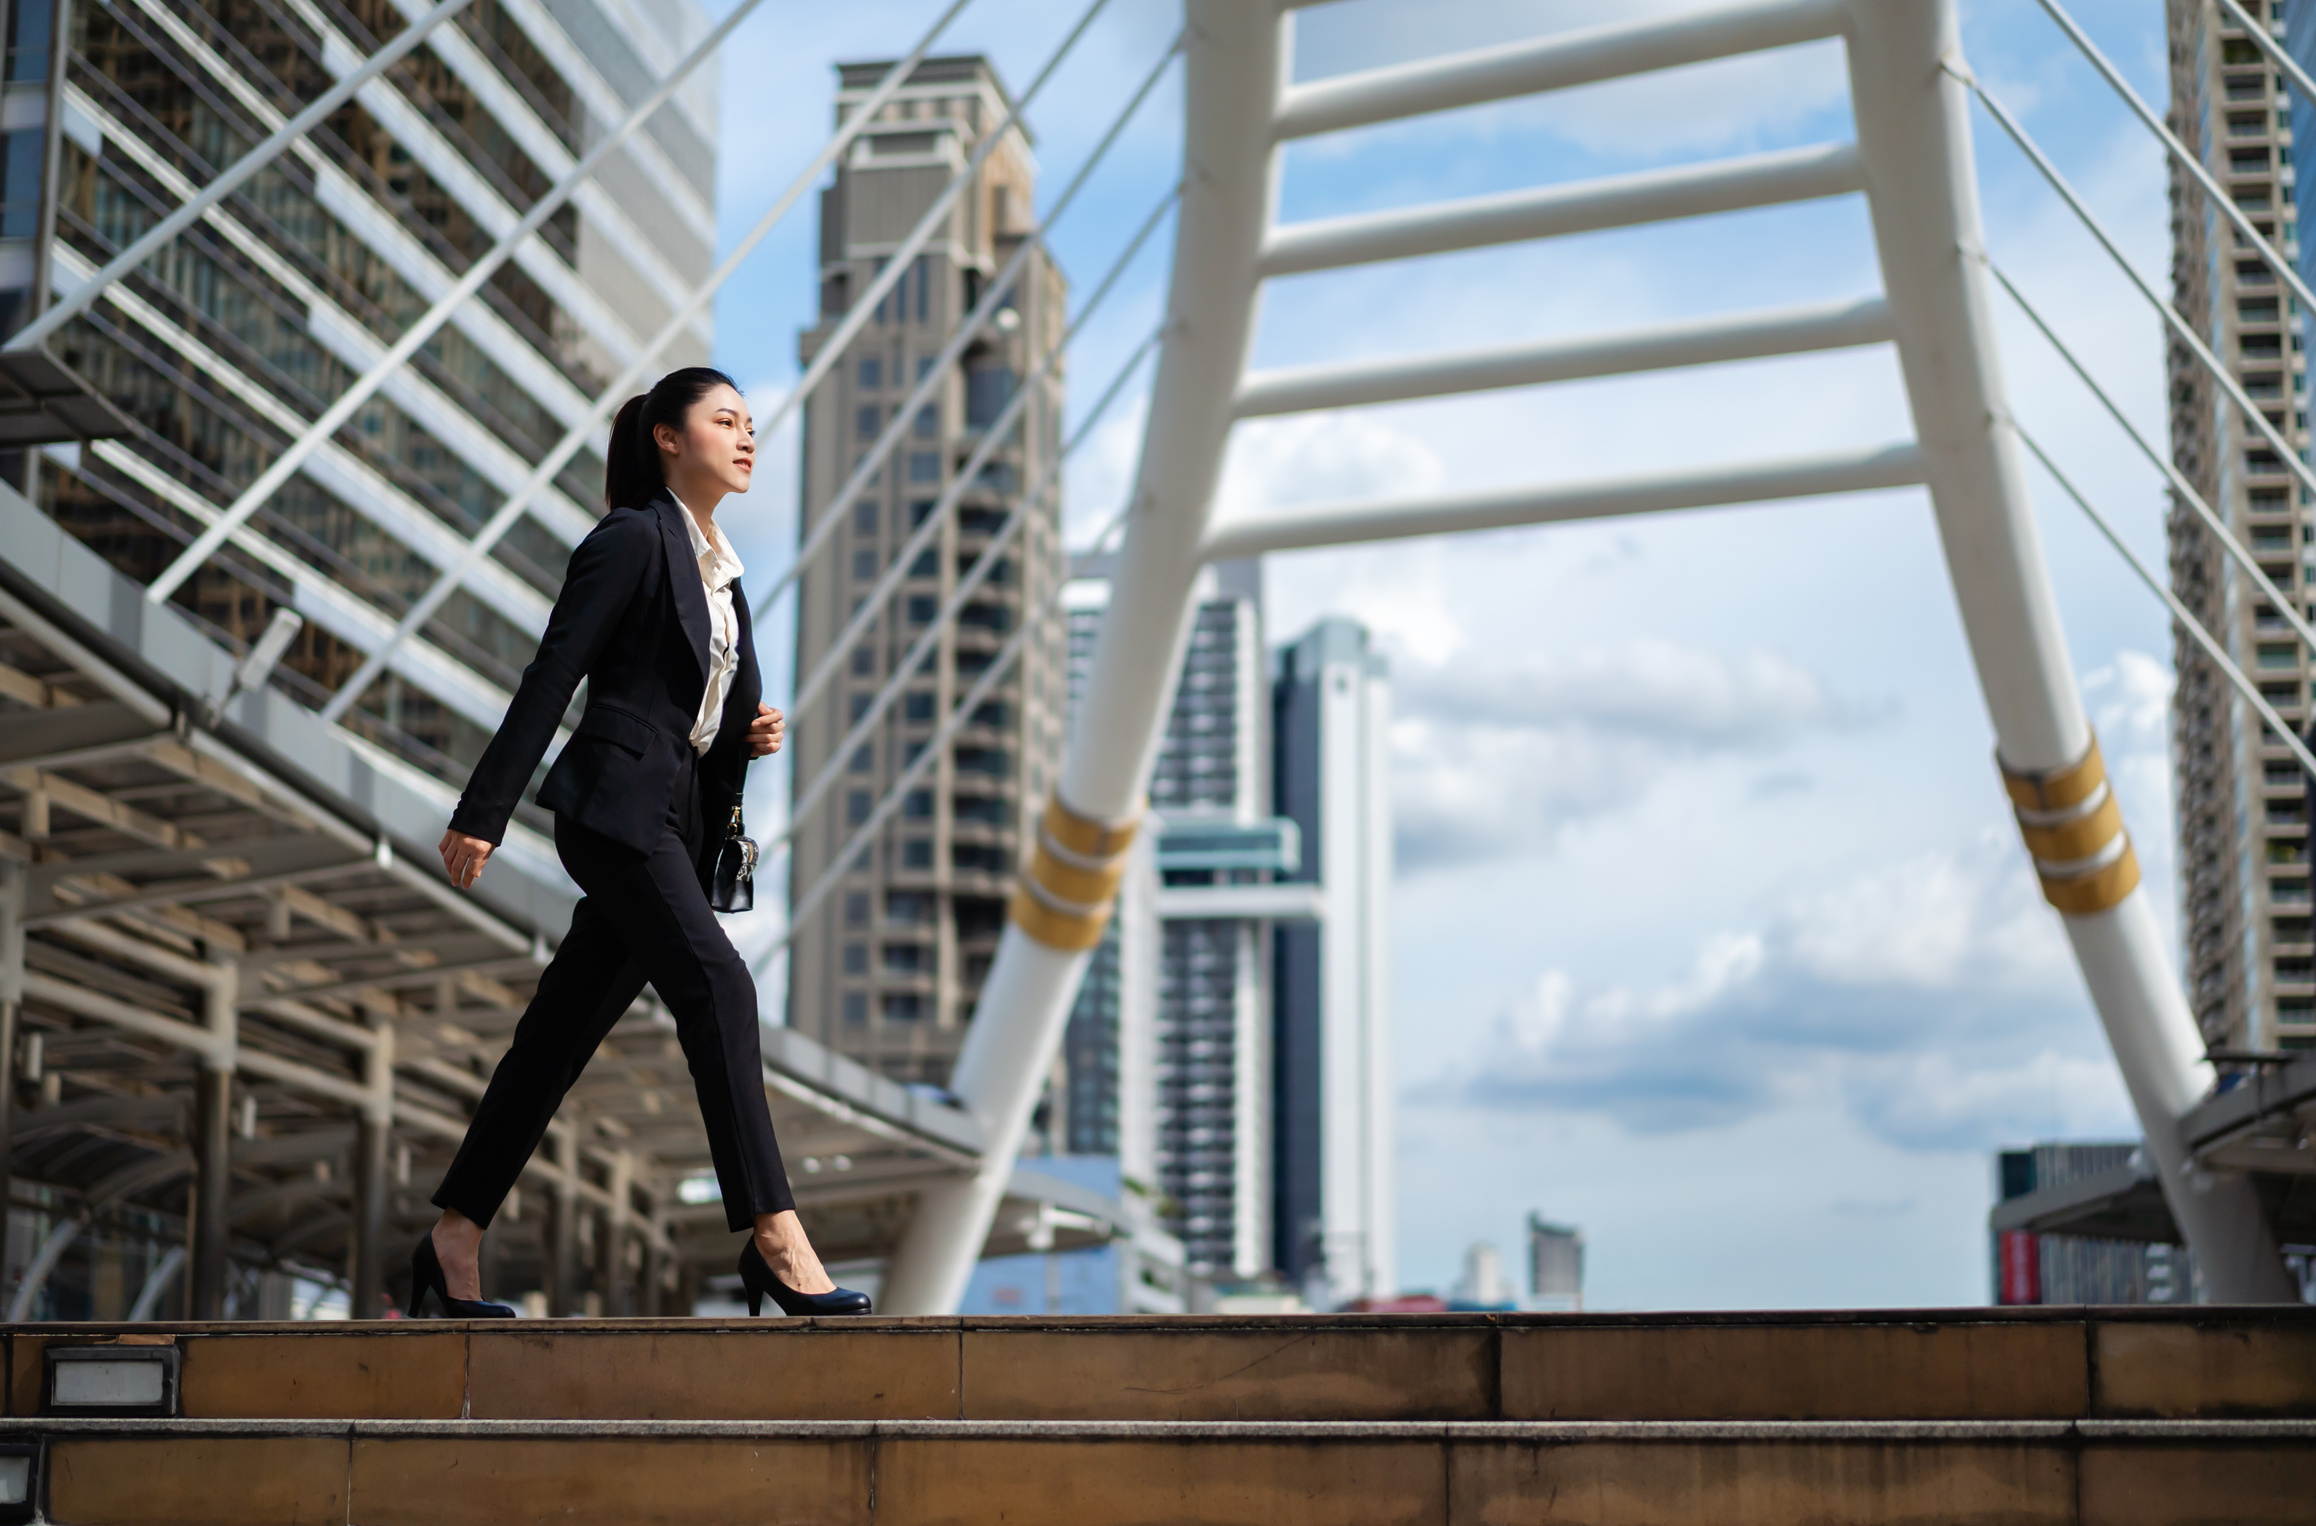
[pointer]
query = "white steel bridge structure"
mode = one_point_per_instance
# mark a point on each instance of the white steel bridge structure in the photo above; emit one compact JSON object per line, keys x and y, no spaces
{"x":953,"y":1163}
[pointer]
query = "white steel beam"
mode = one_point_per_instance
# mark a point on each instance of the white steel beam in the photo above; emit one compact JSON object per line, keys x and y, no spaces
{"x":1698,"y":342}
{"x":1550,"y":63}
{"x":1303,"y":527}
{"x":235,"y":175}
{"x":1589,"y":206}
{"x":414,"y":337}
{"x":1235,"y":66}
{"x":1914,"y":134}
{"x":607,"y":402}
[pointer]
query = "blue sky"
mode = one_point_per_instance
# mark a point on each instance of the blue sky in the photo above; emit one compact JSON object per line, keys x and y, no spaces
{"x":1714,"y":936}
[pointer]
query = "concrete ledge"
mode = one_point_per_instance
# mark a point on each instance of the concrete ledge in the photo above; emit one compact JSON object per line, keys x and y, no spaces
{"x":1316,"y":1432}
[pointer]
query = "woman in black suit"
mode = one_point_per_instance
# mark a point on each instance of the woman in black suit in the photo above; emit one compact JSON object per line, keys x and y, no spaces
{"x":652,"y":616}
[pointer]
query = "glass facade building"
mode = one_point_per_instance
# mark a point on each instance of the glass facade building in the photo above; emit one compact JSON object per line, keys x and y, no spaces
{"x":223,"y":348}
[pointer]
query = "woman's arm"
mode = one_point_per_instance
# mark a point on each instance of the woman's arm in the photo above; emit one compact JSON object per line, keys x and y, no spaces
{"x":605,"y":570}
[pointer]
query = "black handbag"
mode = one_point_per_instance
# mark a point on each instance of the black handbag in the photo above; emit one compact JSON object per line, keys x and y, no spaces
{"x":733,"y":887}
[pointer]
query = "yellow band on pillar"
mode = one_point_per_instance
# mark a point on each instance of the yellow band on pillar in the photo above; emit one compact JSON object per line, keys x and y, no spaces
{"x":2078,"y":837}
{"x":1071,"y":881}
{"x":1083,"y":835}
{"x":2082,"y":894}
{"x":1070,"y":932}
{"x":2070,"y":820}
{"x":2058,"y":789}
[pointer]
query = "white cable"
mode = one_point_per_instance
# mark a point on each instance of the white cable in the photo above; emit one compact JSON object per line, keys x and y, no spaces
{"x":904,"y":670}
{"x":366,"y":386}
{"x":2179,"y":152}
{"x":933,"y":748}
{"x":2180,"y":329}
{"x":870,"y":606}
{"x":233,"y":177}
{"x":503,"y":518}
{"x":914,"y":774}
{"x":2274,"y":49}
{"x":2284,"y":602}
{"x":2180,"y":612}
{"x":896,"y":264}
{"x":934,"y":377}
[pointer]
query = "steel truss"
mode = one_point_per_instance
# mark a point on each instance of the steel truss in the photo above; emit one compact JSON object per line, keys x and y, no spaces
{"x":1912,"y":160}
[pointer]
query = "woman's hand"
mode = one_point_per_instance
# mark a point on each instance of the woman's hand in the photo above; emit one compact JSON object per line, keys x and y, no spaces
{"x":463,"y":857}
{"x":765,"y":732}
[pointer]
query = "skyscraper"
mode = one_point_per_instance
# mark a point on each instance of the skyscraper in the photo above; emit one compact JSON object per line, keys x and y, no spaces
{"x":2250,"y":956}
{"x":221,"y":350}
{"x":1336,"y":1202}
{"x":1555,"y":1265}
{"x":890,"y":972}
{"x":1256,"y":1082}
{"x":1211,"y":791}
{"x":1180,"y":1037}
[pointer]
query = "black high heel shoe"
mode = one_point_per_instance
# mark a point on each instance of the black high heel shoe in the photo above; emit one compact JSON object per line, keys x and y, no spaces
{"x":426,"y":1276}
{"x":758,"y":1279}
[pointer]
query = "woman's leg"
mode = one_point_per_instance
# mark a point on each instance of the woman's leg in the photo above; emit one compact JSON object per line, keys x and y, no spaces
{"x":675,"y":940}
{"x":582,"y":994}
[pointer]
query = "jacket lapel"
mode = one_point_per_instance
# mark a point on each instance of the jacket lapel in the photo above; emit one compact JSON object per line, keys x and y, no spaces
{"x":683,"y":573}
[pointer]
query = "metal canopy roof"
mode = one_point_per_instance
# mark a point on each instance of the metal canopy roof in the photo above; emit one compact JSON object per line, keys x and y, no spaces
{"x":215,"y":877}
{"x":2265,"y":1123}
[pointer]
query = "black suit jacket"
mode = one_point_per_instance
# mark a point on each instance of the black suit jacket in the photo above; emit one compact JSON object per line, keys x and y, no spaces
{"x":632,"y":619}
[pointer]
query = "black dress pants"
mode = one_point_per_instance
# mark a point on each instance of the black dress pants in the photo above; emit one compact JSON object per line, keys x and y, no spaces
{"x":645,"y":918}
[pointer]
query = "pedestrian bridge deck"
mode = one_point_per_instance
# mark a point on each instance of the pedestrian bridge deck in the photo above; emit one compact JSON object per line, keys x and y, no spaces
{"x":2048,"y":1415}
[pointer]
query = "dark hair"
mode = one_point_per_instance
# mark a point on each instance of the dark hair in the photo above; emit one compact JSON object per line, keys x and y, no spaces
{"x":631,"y":469}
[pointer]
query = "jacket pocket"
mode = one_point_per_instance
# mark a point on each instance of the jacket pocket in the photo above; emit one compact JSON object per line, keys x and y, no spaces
{"x":618,"y":728}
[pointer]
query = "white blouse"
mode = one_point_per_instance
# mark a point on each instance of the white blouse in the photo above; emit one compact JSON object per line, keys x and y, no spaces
{"x":718,"y":568}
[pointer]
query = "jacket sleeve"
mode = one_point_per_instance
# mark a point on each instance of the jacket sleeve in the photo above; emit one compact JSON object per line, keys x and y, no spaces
{"x":606,"y":568}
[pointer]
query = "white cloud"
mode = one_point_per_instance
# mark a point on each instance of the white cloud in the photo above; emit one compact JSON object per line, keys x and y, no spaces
{"x":1497,"y":753}
{"x":1933,"y":1000}
{"x":1322,"y":457}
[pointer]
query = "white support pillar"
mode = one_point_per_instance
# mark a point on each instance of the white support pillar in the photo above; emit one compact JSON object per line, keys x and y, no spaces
{"x":1914,"y":134}
{"x":373,"y":1181}
{"x":213,"y":1139}
{"x":1236,"y":55}
{"x":12,"y":877}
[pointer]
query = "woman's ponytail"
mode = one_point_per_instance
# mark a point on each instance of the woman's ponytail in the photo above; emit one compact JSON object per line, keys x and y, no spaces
{"x":631,"y":469}
{"x":631,"y":466}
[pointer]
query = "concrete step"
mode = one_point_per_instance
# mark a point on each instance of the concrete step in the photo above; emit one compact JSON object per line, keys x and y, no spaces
{"x":1072,"y":1473}
{"x":1976,"y":1364}
{"x":2086,"y":1417}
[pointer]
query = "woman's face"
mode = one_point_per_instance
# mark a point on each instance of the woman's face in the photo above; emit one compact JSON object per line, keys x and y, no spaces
{"x":716,"y":448}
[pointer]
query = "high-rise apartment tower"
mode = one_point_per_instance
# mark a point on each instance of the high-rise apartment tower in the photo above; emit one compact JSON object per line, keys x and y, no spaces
{"x":2249,"y":956}
{"x":890,"y":971}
